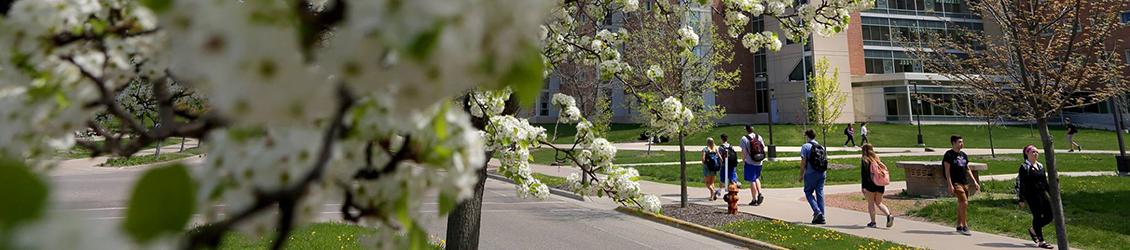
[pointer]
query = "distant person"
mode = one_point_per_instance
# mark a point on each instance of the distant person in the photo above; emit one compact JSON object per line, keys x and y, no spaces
{"x":1071,"y":131}
{"x":1032,"y":188}
{"x":850,"y":133}
{"x":863,"y":133}
{"x":730,"y":158}
{"x":960,"y":180}
{"x":711,"y":163}
{"x":753,"y":154}
{"x":813,"y":168}
{"x":874,"y":178}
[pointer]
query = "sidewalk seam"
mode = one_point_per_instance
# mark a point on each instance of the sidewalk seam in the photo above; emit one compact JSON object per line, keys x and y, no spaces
{"x":552,"y":190}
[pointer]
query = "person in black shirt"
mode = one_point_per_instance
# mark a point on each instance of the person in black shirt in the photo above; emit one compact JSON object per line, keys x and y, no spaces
{"x":960,"y":179}
{"x":1071,"y":131}
{"x":1032,"y":188}
{"x":872,"y":191}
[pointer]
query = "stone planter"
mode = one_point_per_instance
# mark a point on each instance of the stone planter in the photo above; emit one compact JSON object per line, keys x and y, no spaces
{"x":928,"y":178}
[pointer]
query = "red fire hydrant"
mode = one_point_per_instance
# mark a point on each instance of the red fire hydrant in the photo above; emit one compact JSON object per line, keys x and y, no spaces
{"x":731,"y":198}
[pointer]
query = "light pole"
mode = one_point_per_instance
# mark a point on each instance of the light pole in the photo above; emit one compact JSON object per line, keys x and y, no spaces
{"x":772,"y":147}
{"x":1121,"y":161}
{"x":919,"y":113}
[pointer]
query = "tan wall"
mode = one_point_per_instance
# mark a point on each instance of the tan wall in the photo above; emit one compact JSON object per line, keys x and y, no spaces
{"x":836,"y":50}
{"x":870,"y":104}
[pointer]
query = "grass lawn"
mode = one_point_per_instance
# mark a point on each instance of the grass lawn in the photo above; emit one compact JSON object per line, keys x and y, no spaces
{"x":1094,"y":207}
{"x":552,"y":181}
{"x":77,"y":152}
{"x":783,"y":174}
{"x":883,"y":135}
{"x":794,"y":236}
{"x":147,"y":159}
{"x":546,"y":156}
{"x":314,"y":236}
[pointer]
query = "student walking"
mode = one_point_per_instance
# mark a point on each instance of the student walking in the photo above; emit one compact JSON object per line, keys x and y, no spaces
{"x":1071,"y":131}
{"x":753,"y":154}
{"x":813,"y":167}
{"x":711,"y":163}
{"x":960,"y":179}
{"x":850,"y":133}
{"x":1032,"y":188}
{"x":874,"y":178}
{"x":863,"y":133}
{"x":730,"y":160}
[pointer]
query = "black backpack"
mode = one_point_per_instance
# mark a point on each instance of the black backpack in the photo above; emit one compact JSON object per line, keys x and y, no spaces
{"x":731,"y":156}
{"x":818,"y":158}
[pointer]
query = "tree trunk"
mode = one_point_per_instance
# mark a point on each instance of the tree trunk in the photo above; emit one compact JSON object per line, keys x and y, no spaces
{"x":1053,"y":184}
{"x":682,"y":172}
{"x":182,"y":140}
{"x":463,"y":222}
{"x":992,"y":149}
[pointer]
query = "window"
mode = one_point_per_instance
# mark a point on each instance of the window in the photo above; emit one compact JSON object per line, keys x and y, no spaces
{"x":761,"y":89}
{"x":1125,"y":16}
{"x":876,"y":33}
{"x":1127,"y":58}
{"x":543,"y":103}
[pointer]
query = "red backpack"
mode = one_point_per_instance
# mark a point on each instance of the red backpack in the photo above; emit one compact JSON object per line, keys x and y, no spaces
{"x":756,"y":148}
{"x":879,"y":174}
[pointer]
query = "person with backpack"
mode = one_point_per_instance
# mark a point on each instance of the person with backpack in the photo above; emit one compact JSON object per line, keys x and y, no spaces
{"x":850,"y":133}
{"x":874,"y":178}
{"x":960,"y":180}
{"x":1071,"y":131}
{"x":753,"y":154}
{"x":813,"y":171}
{"x":730,"y":160}
{"x":711,"y":164}
{"x":1032,"y":188}
{"x":863,"y":133}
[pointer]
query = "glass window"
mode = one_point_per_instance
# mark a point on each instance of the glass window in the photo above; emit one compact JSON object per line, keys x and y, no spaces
{"x":543,"y":107}
{"x":762,"y":92}
{"x":1127,"y":58}
{"x":1125,"y":17}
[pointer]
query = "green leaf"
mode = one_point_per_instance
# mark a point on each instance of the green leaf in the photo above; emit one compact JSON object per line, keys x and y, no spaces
{"x":25,"y":189}
{"x":525,"y":76}
{"x":423,"y":44}
{"x":157,"y":6}
{"x":417,"y":238}
{"x":439,"y":123}
{"x":447,"y":203}
{"x":162,"y":203}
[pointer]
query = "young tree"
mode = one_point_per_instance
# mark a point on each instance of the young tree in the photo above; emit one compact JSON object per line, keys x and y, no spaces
{"x":667,"y":74}
{"x":827,"y":101}
{"x":1048,"y":56}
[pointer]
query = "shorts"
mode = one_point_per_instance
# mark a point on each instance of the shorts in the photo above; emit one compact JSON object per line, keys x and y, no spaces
{"x":706,"y":172}
{"x":960,"y":191}
{"x":752,"y":172}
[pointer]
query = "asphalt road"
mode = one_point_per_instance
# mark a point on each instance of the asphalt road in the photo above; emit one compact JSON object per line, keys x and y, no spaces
{"x":99,"y":195}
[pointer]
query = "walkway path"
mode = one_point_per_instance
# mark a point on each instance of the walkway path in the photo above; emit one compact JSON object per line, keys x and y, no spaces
{"x":886,"y":152}
{"x":87,"y":164}
{"x":788,"y":204}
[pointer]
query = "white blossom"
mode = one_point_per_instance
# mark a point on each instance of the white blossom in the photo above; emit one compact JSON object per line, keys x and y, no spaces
{"x":654,"y":73}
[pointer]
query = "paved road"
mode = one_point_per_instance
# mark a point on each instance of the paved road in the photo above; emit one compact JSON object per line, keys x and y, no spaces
{"x":99,"y":195}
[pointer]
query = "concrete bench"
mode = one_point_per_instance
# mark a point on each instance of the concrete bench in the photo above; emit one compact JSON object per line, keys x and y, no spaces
{"x":928,"y":178}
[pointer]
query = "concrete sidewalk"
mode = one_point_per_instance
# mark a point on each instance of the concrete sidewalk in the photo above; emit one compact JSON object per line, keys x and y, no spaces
{"x":90,"y":165}
{"x":787,"y":204}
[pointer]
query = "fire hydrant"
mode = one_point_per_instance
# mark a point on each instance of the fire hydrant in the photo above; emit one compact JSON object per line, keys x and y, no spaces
{"x":731,"y":198}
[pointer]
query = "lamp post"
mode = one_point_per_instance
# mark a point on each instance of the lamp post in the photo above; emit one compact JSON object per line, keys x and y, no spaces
{"x":919,"y":113}
{"x":772,"y":103}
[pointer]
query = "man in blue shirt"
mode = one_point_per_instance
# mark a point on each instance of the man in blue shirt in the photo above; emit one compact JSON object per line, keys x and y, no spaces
{"x":813,"y":179}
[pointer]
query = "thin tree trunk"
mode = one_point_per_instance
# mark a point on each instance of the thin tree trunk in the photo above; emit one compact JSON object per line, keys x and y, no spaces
{"x":463,"y":222}
{"x":992,"y":149}
{"x":1053,"y":184}
{"x":682,"y":172}
{"x":182,"y":140}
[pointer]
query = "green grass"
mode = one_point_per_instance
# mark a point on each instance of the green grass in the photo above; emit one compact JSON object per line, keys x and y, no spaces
{"x":546,"y":156}
{"x":883,"y":135}
{"x":552,"y":181}
{"x":147,"y":159}
{"x":783,"y":174}
{"x":1095,"y":209}
{"x":77,"y":152}
{"x":794,"y":236}
{"x":314,"y":236}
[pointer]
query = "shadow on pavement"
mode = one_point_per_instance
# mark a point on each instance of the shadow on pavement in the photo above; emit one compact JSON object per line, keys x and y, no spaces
{"x":930,"y":232}
{"x":1008,"y":245}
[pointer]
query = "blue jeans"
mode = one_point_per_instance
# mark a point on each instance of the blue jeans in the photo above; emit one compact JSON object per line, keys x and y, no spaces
{"x":814,"y":191}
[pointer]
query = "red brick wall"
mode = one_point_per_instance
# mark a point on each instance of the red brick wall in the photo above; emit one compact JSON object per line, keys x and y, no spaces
{"x":742,"y":99}
{"x":855,"y":45}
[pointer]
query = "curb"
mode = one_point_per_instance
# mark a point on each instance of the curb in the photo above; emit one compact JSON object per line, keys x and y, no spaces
{"x":552,"y":190}
{"x":701,"y":230}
